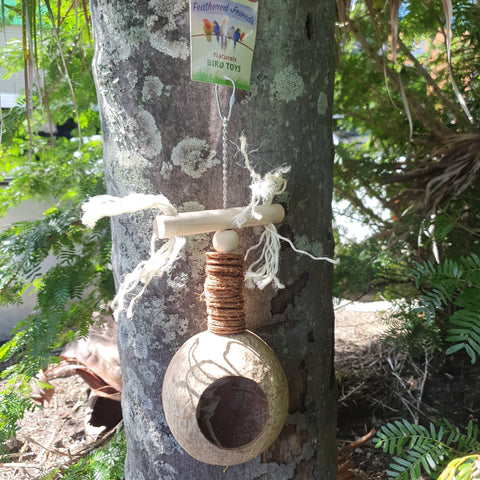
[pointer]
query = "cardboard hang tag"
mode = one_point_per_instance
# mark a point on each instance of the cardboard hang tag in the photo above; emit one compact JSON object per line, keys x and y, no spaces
{"x":222,"y":39}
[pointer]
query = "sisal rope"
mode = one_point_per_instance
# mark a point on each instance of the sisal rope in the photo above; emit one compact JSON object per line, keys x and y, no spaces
{"x":223,"y":292}
{"x":260,"y":273}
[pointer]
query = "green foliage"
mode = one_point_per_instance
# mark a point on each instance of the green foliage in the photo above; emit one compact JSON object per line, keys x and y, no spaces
{"x":446,"y":308}
{"x":369,"y":266}
{"x":418,"y":449}
{"x":454,"y":285}
{"x":409,"y":330}
{"x":51,"y":153}
{"x":106,"y":463}
{"x":67,"y":293}
{"x":15,"y":399}
{"x":427,"y":177}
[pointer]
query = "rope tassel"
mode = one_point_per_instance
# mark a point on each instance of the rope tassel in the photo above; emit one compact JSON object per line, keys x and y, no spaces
{"x":160,"y":260}
{"x":264,"y":270}
{"x":260,"y":211}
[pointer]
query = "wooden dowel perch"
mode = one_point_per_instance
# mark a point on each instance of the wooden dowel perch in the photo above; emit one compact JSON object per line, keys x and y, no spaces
{"x":204,"y":221}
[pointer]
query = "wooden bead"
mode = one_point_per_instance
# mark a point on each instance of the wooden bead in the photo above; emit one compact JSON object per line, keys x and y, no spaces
{"x":225,"y":240}
{"x":225,"y":397}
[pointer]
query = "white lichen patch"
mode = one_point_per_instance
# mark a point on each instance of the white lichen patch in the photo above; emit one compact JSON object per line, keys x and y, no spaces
{"x":169,"y":10}
{"x":140,"y":347}
{"x":139,"y":343}
{"x":139,"y":475}
{"x":175,"y":49}
{"x":166,"y":444}
{"x":322,"y":103}
{"x":174,"y":325}
{"x":129,"y":178}
{"x":139,"y":402}
{"x":317,"y":249}
{"x":118,"y":20}
{"x":132,"y":79}
{"x":194,"y":251}
{"x":191,"y":207}
{"x":303,"y":243}
{"x":178,"y":285}
{"x":177,"y":282}
{"x":194,"y":157}
{"x":152,"y":88}
{"x":166,"y":170}
{"x":166,"y":469}
{"x":287,"y":85}
{"x":314,"y":248}
{"x":146,"y":136}
{"x":150,"y":377}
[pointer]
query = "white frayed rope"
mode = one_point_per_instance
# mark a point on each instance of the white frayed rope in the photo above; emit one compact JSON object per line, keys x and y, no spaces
{"x":160,"y":260}
{"x":108,"y":206}
{"x":263,"y":271}
{"x":260,"y":273}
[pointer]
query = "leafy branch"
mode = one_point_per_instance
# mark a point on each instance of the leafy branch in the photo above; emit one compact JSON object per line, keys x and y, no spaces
{"x":456,"y":284}
{"x":418,"y":448}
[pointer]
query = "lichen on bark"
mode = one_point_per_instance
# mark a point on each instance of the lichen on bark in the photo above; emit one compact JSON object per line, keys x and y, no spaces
{"x":160,"y":134}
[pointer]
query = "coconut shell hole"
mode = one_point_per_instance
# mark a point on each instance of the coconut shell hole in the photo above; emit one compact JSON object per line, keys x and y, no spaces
{"x":232,"y":412}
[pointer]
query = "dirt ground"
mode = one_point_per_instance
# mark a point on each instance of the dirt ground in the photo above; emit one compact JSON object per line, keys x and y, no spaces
{"x":377,"y":385}
{"x":374,"y":386}
{"x":51,"y":435}
{"x":358,"y":328}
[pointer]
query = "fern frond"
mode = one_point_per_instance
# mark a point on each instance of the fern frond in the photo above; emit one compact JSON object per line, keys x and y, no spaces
{"x":417,"y":448}
{"x":400,"y":434}
{"x":106,"y":463}
{"x":452,"y":286}
{"x":465,"y":333}
{"x":15,"y":399}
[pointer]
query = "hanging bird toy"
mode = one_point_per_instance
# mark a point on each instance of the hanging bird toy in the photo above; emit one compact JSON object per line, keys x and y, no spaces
{"x":225,"y":395}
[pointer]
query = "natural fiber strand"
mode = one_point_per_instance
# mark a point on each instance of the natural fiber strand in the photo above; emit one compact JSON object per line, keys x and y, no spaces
{"x":261,"y":272}
{"x":263,"y":189}
{"x":160,"y":260}
{"x":109,"y":206}
{"x":264,"y":270}
{"x":223,"y":292}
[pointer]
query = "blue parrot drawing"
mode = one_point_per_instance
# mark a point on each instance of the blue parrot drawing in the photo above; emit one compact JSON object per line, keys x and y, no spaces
{"x":216,"y":30}
{"x":236,"y":37}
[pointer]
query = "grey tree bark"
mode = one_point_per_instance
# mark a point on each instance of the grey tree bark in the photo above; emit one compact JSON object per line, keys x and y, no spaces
{"x":162,"y":134}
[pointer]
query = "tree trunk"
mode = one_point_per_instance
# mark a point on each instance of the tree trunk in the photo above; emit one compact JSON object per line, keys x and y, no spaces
{"x":162,"y":134}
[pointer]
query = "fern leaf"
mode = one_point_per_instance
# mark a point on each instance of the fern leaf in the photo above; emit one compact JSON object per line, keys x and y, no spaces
{"x":417,"y":448}
{"x":454,"y":348}
{"x":429,"y":463}
{"x":471,"y":351}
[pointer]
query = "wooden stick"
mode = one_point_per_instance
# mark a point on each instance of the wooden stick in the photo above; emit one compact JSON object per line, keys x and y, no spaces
{"x":190,"y":223}
{"x":347,"y":449}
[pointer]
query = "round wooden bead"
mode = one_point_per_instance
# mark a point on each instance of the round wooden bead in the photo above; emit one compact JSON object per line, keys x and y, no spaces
{"x":225,"y":397}
{"x":225,"y":240}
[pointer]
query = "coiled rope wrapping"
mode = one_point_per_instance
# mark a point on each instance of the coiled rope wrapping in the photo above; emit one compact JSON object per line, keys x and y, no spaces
{"x":260,"y":273}
{"x":223,"y":292}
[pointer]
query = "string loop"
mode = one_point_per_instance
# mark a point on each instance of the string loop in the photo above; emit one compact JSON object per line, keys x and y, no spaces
{"x":231,"y":103}
{"x":225,"y":120}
